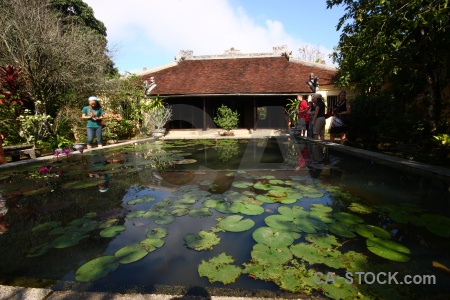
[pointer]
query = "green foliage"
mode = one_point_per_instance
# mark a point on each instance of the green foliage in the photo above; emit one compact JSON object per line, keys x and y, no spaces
{"x":34,"y":126}
{"x":226,"y":118}
{"x":292,"y":109}
{"x":443,"y":140}
{"x":399,"y":46}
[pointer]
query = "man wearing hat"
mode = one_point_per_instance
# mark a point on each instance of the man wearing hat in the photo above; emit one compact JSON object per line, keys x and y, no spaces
{"x":94,"y":115}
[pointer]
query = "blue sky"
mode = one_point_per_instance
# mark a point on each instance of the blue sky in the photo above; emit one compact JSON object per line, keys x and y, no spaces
{"x":150,"y":33}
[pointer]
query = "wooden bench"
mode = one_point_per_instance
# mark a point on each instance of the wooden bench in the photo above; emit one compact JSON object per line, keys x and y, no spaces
{"x":16,"y":151}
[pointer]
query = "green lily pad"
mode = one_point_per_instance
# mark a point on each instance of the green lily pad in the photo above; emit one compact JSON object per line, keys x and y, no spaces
{"x":210,"y":203}
{"x":371,"y":231}
{"x":304,"y":225}
{"x":68,"y":240}
{"x":322,"y":216}
{"x":293,"y":212}
{"x":262,"y":186}
{"x":277,"y":194}
{"x":200,"y":213}
{"x":321,"y":208}
{"x":273,"y":237}
{"x":280,"y":222}
{"x":202,"y":241}
{"x":47,"y":226}
{"x":157,"y":233}
{"x":265,"y":199}
{"x":179,"y":212}
{"x":267,"y":255}
{"x":341,"y":229}
{"x":112,"y":231}
{"x":347,"y":218}
{"x":145,"y":199}
{"x":437,"y":224}
{"x":228,"y":207}
{"x":360,"y":208}
{"x":219,"y":269}
{"x":388,"y":249}
{"x":251,"y":209}
{"x":38,"y":250}
{"x":236,"y":224}
{"x":131,"y":253}
{"x":322,"y":241}
{"x":97,"y":268}
{"x":242,"y":184}
{"x":150,"y":244}
{"x":164,"y":219}
{"x":135,"y":214}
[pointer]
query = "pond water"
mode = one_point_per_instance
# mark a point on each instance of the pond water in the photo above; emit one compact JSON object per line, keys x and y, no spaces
{"x":276,"y":215}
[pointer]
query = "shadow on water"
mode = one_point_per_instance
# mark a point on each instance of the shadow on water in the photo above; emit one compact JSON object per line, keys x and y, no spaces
{"x":104,"y":205}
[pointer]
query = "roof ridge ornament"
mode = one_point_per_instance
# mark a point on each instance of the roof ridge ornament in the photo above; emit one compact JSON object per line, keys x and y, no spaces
{"x":232,"y":51}
{"x":185,"y":54}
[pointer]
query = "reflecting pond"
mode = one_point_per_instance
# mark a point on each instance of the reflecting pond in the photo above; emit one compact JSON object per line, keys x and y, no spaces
{"x":276,"y":215}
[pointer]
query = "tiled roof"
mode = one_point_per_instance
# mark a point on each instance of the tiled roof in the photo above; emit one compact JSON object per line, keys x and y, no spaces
{"x":248,"y":75}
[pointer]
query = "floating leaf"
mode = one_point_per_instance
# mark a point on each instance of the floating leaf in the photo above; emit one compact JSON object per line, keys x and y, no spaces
{"x":273,"y":237}
{"x":341,"y":229}
{"x":145,"y":199}
{"x":371,"y":231}
{"x":200,"y":213}
{"x":39,"y":250}
{"x":112,"y":231}
{"x":136,"y":214}
{"x":157,"y":233}
{"x":131,"y":253}
{"x":202,"y":241}
{"x":164,"y":219}
{"x":347,"y":218}
{"x":68,"y":240}
{"x":388,"y":249}
{"x":179,"y":212}
{"x":360,"y":208}
{"x":150,"y":244}
{"x":322,"y":216}
{"x":280,"y":222}
{"x":322,"y":241}
{"x":437,"y":224}
{"x":46,"y":226}
{"x":267,"y":255}
{"x":97,"y":268}
{"x":251,"y":209}
{"x":242,"y":184}
{"x":304,"y":225}
{"x":219,"y":269}
{"x":236,"y":224}
{"x":228,"y":207}
{"x":321,"y":208}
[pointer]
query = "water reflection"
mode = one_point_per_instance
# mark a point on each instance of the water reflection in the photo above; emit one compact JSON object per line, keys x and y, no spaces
{"x":145,"y":188}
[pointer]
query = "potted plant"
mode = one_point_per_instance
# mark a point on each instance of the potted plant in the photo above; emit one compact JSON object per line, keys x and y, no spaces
{"x":227,"y":119}
{"x":156,"y":119}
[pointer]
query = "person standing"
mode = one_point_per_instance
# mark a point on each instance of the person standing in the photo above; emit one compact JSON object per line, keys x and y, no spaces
{"x":342,"y":112}
{"x":318,"y":120}
{"x":2,"y":153}
{"x":309,"y":128}
{"x":302,"y":115}
{"x":94,"y":115}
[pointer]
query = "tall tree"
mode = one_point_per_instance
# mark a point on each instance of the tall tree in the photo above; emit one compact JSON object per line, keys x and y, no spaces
{"x":56,"y":56}
{"x":400,"y":46}
{"x":311,"y":53}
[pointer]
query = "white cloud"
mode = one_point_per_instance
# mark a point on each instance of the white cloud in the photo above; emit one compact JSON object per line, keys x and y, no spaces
{"x":204,"y":26}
